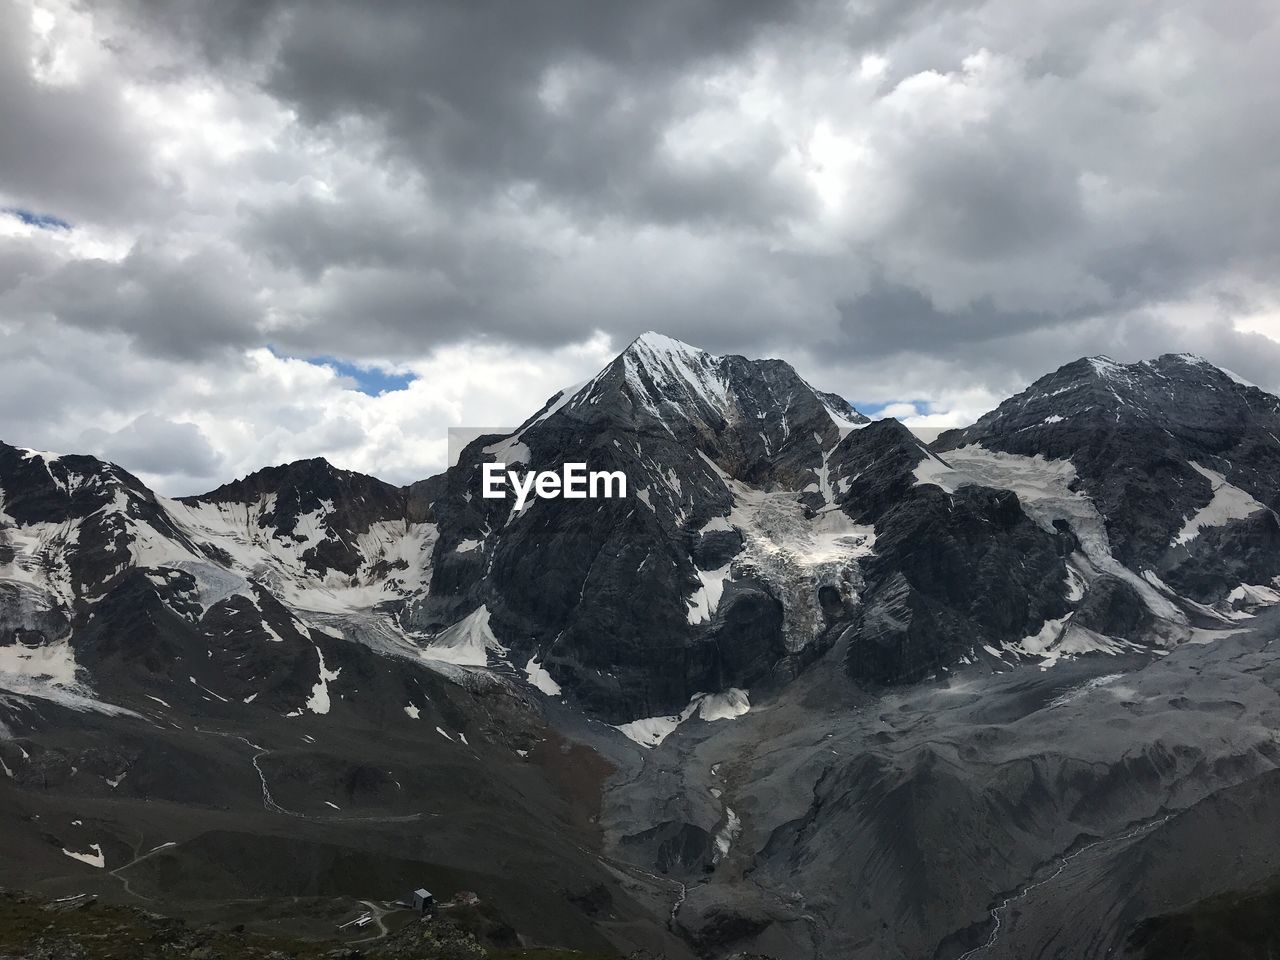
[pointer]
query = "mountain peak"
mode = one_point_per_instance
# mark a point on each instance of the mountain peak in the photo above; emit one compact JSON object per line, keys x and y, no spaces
{"x":665,"y":375}
{"x":658,"y":352}
{"x":1107,"y":368}
{"x":1170,"y":393}
{"x":309,"y":478}
{"x":1104,"y":366}
{"x":653,"y":342}
{"x":1195,"y":360}
{"x":660,"y":370}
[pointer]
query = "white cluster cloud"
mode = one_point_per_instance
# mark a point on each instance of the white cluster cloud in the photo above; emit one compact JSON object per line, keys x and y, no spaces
{"x":181,"y":426}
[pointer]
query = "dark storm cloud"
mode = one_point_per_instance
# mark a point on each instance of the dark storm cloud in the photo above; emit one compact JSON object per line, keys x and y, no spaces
{"x":890,"y":316}
{"x":313,"y":236}
{"x":170,"y":306}
{"x":985,"y":187}
{"x":984,"y":195}
{"x":572,"y":97}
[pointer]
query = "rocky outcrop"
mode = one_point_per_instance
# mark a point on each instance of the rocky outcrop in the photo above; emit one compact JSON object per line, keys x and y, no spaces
{"x":1113,"y":608}
{"x":951,"y":572}
{"x":1220,"y":558}
{"x":1153,"y":443}
{"x":314,"y":502}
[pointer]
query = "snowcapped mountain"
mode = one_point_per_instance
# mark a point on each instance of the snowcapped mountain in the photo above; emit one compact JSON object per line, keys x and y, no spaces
{"x":1168,"y":467}
{"x":1105,"y":506}
{"x":631,"y":608}
{"x":634,"y":606}
{"x":325,"y":539}
{"x":312,"y":652}
{"x":115,"y":597}
{"x":1152,"y":441}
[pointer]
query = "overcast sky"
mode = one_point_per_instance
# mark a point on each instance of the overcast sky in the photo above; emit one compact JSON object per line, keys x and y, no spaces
{"x":246,"y":231}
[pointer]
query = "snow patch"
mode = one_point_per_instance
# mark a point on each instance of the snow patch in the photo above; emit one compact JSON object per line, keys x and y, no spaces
{"x":1239,"y":379}
{"x":729,"y":705}
{"x":650,"y":732}
{"x":798,"y":555}
{"x":703,"y":603}
{"x":1041,"y":643}
{"x":94,"y":859}
{"x":716,"y":524}
{"x":511,"y":449}
{"x":318,"y":702}
{"x":936,"y":471}
{"x":468,"y":643}
{"x":1228,"y":503}
{"x":727,"y":834}
{"x":1106,"y":367}
{"x":1253,"y":595}
{"x":52,"y":663}
{"x":537,"y":675}
{"x":1077,"y":692}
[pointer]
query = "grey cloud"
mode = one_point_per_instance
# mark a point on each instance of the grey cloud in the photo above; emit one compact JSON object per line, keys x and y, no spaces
{"x":1071,"y":193}
{"x":455,"y":88}
{"x":889,"y":316}
{"x":170,"y":306}
{"x":48,"y":375}
{"x":70,"y":151}
{"x":984,"y":195}
{"x":523,"y":187}
{"x":314,"y":236}
{"x":155,"y":445}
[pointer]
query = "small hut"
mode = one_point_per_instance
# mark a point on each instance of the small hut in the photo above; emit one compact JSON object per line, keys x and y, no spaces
{"x":423,"y":902}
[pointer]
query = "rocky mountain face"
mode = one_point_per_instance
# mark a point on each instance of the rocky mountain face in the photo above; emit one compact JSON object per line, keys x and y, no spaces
{"x":764,"y":521}
{"x":634,"y":604}
{"x":954,"y":576}
{"x":311,"y":502}
{"x":1181,"y":458}
{"x":211,"y":701}
{"x":773,"y":546}
{"x":112,"y":591}
{"x":766,"y":518}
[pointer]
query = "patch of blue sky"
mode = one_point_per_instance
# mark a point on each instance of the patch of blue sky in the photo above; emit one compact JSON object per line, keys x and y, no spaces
{"x":371,"y":380}
{"x":878,"y":409}
{"x":45,"y":221}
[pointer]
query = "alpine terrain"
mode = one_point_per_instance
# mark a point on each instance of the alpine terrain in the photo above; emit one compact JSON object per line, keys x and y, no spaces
{"x":811,"y":689}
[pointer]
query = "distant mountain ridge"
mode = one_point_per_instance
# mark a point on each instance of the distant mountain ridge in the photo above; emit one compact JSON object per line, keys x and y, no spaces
{"x":768,"y":521}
